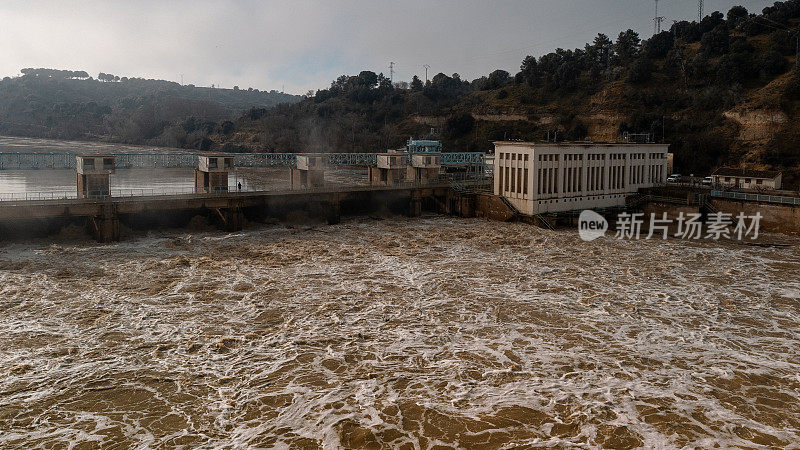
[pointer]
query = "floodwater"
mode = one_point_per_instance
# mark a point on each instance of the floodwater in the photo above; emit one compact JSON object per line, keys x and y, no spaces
{"x":426,"y":333}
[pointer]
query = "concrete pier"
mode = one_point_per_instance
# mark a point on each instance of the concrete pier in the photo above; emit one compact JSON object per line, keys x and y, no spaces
{"x":104,"y":227}
{"x":211,"y":174}
{"x":93,"y":175}
{"x":424,"y":166}
{"x":390,"y":169}
{"x":309,"y":172}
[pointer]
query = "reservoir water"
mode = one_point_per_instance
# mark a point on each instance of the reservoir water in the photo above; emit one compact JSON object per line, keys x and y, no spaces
{"x":46,"y":183}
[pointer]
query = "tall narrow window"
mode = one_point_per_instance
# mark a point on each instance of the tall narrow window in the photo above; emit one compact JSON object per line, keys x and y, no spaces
{"x":555,"y":180}
{"x":539,"y":179}
{"x":525,"y":181}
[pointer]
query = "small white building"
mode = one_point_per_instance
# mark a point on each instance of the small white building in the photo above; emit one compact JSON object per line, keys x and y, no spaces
{"x":211,"y":175}
{"x":309,"y":172}
{"x":748,"y":178}
{"x":424,"y":166}
{"x":390,"y":169}
{"x":551,"y":177}
{"x":93,"y":173}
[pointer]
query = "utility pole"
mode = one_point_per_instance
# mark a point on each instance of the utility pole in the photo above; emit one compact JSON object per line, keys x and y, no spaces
{"x":426,"y":72}
{"x":657,"y":21}
{"x":391,"y":72}
{"x":699,"y":11}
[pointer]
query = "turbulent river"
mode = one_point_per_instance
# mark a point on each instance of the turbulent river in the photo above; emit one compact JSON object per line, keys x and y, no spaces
{"x":398,"y":333}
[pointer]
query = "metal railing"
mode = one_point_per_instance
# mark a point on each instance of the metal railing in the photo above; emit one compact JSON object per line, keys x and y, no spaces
{"x":10,"y":161}
{"x":443,"y":181}
{"x":463,"y":159}
{"x":756,"y":197}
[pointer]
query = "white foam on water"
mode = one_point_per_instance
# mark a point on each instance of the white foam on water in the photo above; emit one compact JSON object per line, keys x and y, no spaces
{"x":423,"y":332}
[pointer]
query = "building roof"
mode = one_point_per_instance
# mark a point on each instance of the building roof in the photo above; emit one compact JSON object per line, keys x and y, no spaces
{"x":746,"y":173}
{"x":579,"y":144}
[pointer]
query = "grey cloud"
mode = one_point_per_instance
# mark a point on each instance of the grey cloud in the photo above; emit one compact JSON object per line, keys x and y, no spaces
{"x":266,"y":44}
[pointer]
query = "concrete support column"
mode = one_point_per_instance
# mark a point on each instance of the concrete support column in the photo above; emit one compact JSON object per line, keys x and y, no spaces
{"x":326,"y":209}
{"x":466,"y":206}
{"x":105,"y":227}
{"x":415,"y":204}
{"x":231,"y":219}
{"x":334,"y":215}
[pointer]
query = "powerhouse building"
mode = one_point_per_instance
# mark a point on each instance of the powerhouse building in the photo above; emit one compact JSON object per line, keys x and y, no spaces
{"x":551,"y":177}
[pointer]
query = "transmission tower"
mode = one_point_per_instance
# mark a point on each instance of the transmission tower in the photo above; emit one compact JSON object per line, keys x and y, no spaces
{"x":426,"y":72}
{"x":699,"y":11}
{"x":391,"y":72}
{"x":657,"y":21}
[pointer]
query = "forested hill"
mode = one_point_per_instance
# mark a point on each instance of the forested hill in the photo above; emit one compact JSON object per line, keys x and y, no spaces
{"x":722,"y":91}
{"x":66,"y":104}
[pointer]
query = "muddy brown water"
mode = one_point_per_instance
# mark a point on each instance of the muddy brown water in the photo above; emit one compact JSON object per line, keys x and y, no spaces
{"x":425,"y":333}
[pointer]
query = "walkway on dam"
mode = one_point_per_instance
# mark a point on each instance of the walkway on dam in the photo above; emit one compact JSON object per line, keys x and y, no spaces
{"x":11,"y":209}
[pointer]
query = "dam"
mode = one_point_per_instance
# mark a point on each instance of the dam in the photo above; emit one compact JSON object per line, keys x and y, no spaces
{"x":434,"y":182}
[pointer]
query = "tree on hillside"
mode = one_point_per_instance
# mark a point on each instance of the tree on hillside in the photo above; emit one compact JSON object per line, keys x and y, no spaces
{"x":627,"y":46}
{"x":659,"y":45}
{"x":716,"y":42}
{"x":529,"y":70}
{"x":107,"y":77}
{"x":367,"y":78}
{"x":736,"y":16}
{"x":688,"y":32}
{"x":772,"y":64}
{"x":497,"y":78}
{"x":641,"y":70}
{"x":459,"y":125}
{"x":598,"y":54}
{"x":711,"y":21}
{"x":416,"y":83}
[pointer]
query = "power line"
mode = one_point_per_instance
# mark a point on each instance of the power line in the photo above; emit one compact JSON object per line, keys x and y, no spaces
{"x":789,"y":31}
{"x":770,"y":20}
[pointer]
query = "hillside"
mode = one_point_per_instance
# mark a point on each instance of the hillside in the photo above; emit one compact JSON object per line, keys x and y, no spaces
{"x":722,"y":92}
{"x":66,"y":104}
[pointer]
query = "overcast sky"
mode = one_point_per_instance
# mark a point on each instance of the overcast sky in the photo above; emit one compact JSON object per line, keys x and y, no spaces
{"x":304,"y":45}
